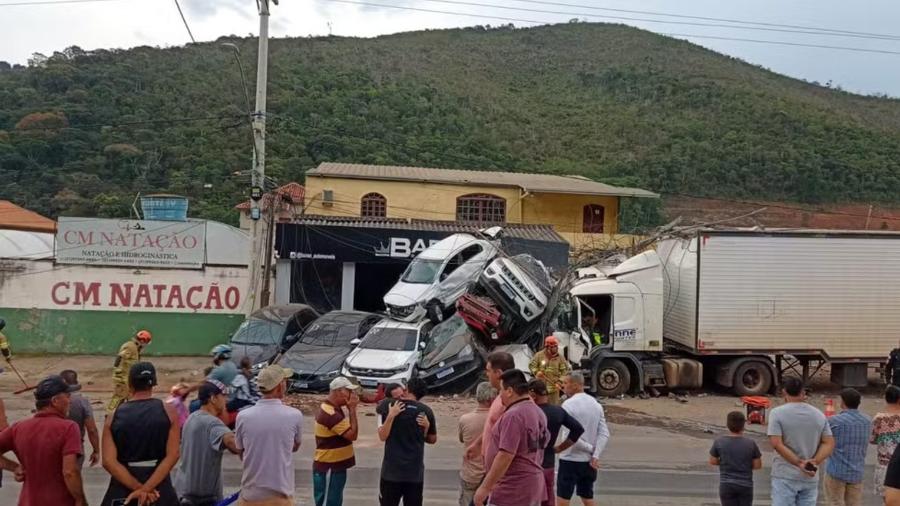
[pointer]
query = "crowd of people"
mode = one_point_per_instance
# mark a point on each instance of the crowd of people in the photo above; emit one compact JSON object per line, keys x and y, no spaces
{"x":531,"y":442}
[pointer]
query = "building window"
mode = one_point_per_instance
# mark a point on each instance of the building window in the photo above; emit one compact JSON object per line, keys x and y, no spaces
{"x":373,"y":205}
{"x":481,"y":209}
{"x":593,"y":219}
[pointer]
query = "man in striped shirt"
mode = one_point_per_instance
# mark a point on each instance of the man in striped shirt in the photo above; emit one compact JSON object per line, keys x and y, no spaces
{"x":335,"y":434}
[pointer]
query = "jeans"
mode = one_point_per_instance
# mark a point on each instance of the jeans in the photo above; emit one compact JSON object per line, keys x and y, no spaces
{"x":329,"y":492}
{"x":794,"y":492}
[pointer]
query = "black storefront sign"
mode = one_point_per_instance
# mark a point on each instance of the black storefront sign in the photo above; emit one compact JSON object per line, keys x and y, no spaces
{"x":300,"y":241}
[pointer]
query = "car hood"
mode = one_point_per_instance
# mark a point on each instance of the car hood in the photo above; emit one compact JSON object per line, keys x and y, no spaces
{"x":255,"y":352}
{"x":448,"y":351}
{"x":314,"y":360}
{"x":363,"y":358}
{"x":406,"y":294}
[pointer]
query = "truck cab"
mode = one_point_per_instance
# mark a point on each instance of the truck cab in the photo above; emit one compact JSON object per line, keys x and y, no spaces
{"x":616,"y":316}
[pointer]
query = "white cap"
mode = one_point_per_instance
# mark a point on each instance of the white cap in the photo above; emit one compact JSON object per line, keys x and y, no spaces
{"x":342,"y":382}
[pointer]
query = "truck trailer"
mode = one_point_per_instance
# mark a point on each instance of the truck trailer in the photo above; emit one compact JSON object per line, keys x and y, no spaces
{"x":737,"y":308}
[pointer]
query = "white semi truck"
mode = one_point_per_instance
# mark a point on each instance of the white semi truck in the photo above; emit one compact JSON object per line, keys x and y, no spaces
{"x":737,"y":308}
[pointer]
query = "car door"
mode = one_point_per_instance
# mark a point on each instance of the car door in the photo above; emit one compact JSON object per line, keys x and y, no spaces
{"x":459,"y":272}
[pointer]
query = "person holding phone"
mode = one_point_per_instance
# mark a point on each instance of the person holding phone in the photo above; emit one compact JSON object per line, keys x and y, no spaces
{"x":802,"y":440}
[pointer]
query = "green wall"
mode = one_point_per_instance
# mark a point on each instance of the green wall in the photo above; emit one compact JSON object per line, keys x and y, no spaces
{"x":102,"y":332}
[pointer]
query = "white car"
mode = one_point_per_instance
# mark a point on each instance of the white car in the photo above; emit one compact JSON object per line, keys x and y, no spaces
{"x":437,"y":277}
{"x":387,"y":353}
{"x":520,"y":284}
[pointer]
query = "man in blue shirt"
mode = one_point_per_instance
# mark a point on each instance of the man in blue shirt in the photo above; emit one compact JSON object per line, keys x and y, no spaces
{"x":844,"y":473}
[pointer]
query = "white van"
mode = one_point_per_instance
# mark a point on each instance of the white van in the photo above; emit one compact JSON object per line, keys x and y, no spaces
{"x":387,"y":353}
{"x":438,"y":276}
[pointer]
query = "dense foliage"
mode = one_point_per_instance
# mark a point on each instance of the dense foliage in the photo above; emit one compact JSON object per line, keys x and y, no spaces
{"x":82,"y":133}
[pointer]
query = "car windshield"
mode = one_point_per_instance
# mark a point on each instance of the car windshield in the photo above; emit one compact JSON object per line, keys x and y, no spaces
{"x":254,"y":331}
{"x":329,"y":334}
{"x":422,"y":271}
{"x":390,"y":338}
{"x":445,"y":333}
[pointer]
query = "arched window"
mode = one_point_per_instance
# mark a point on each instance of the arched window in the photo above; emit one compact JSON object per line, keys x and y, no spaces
{"x":593,"y":219}
{"x":481,"y":209}
{"x":373,"y":205}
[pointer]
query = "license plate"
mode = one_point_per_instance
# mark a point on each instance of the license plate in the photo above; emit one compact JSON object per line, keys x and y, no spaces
{"x":368,"y":383}
{"x":302,"y":385}
{"x":446,"y":372}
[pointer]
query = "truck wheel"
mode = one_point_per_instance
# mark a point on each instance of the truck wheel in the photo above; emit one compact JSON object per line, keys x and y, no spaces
{"x":435,"y":312}
{"x":613,"y":378}
{"x":752,"y":378}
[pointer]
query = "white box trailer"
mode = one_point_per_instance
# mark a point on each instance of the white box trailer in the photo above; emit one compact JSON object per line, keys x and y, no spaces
{"x":810,"y":293}
{"x":748,"y":304}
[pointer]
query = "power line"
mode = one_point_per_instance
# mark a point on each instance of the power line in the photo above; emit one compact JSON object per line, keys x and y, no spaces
{"x":659,"y":21}
{"x":183,"y":19}
{"x":543,"y":22}
{"x":706,"y":18}
{"x":781,"y":43}
{"x":52,"y":2}
{"x":780,"y":206}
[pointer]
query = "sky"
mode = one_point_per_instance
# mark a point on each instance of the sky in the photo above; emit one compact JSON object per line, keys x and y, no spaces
{"x":26,"y":29}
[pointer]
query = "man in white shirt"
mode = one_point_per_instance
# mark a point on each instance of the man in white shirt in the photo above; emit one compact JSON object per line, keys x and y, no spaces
{"x":578,"y":465}
{"x":267,"y":434}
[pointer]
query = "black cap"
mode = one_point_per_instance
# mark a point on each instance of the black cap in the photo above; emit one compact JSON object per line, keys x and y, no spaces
{"x":538,"y":387}
{"x":51,"y":386}
{"x":208,"y":389}
{"x":143,"y":375}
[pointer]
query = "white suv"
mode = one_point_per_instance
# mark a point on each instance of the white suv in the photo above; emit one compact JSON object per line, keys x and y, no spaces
{"x":387,"y":353}
{"x":520,"y":284}
{"x":438,"y":277}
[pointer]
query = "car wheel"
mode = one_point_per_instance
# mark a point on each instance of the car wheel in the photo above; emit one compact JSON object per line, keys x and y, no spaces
{"x":435,"y":311}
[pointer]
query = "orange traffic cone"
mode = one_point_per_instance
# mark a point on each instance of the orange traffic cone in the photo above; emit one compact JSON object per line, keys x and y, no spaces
{"x":829,"y":407}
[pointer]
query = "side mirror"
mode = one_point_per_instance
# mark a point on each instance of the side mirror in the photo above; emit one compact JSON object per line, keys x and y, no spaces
{"x":355,"y":341}
{"x":421,"y":345}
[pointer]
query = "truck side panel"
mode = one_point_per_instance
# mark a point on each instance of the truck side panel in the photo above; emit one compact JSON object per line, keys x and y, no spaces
{"x":679,"y":261}
{"x":796,"y":292}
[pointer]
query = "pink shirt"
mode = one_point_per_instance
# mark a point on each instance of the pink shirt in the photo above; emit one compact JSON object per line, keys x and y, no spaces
{"x":521,"y":432}
{"x":494,"y":414}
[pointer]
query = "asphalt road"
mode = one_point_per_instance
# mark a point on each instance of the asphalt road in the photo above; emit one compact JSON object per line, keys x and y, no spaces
{"x":642,"y":466}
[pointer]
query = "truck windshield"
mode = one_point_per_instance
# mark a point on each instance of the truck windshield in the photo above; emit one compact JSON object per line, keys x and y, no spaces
{"x":386,"y":338}
{"x":422,"y":271}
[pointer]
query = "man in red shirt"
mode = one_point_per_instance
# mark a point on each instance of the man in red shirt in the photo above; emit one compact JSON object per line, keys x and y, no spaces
{"x":47,"y":446}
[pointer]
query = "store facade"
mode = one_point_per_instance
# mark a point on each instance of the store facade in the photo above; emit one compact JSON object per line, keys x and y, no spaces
{"x":350,"y":262}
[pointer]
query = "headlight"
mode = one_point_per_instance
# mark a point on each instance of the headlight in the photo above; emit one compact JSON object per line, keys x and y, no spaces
{"x":329,"y":375}
{"x":465,"y":352}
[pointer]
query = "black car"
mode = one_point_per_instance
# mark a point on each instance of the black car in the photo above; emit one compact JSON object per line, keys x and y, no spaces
{"x":319,"y":354}
{"x":452,"y":356}
{"x":269,"y":331}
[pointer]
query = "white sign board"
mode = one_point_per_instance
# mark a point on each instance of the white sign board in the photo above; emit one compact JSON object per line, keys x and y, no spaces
{"x":131,"y":243}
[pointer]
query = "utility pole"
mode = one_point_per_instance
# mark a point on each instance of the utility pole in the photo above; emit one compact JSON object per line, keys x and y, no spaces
{"x":258,"y":174}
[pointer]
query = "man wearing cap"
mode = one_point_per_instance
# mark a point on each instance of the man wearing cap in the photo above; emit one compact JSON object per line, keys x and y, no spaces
{"x":204,"y":438}
{"x":47,"y":446}
{"x":129,"y":354}
{"x":267,"y":434}
{"x":335,"y":434}
{"x":550,"y":366}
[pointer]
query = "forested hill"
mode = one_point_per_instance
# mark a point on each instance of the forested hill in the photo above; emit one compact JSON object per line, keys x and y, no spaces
{"x":606,"y":101}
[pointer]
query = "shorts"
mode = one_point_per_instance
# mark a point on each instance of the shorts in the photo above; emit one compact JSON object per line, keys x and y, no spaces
{"x":575,"y":477}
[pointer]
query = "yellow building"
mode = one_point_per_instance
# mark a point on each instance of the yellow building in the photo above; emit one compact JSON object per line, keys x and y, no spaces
{"x":583,"y":211}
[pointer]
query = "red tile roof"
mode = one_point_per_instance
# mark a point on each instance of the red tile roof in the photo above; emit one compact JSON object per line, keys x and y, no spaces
{"x":291,"y":193}
{"x":13,"y":217}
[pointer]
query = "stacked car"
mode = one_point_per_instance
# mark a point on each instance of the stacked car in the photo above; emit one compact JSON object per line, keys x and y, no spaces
{"x":457,"y":300}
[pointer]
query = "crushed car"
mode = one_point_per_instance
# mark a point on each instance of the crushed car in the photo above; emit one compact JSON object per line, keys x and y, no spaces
{"x":437,"y":277}
{"x":317,"y":357}
{"x":270,"y":331}
{"x":452,"y":356}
